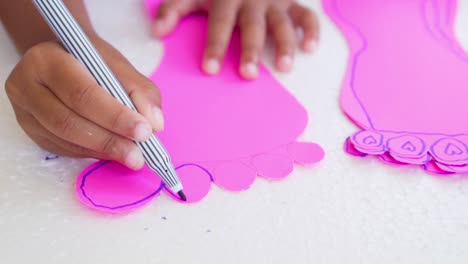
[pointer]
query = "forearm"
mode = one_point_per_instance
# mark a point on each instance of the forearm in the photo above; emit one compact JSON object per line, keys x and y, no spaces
{"x":27,"y":28}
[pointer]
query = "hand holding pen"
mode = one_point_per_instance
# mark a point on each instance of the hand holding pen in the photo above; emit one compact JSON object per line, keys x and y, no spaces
{"x":62,"y":108}
{"x":71,"y":35}
{"x":70,"y":114}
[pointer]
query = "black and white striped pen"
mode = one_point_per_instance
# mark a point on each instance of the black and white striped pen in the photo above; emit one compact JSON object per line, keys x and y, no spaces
{"x":66,"y":28}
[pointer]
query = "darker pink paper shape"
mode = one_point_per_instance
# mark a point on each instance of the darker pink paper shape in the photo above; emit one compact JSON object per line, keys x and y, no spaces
{"x":218,"y":129}
{"x":406,"y":84}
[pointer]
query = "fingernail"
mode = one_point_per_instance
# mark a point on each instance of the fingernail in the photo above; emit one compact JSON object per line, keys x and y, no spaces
{"x":142,"y":132}
{"x":249,"y":70}
{"x":134,"y":159}
{"x":158,"y":119}
{"x":211,"y":66}
{"x":285,"y":63}
{"x":310,"y":45}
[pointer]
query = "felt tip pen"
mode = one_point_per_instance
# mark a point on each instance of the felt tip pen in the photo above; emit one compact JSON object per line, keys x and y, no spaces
{"x":65,"y":27}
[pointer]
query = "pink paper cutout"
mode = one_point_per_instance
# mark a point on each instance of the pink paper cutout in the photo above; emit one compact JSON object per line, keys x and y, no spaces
{"x":219,"y":129}
{"x":406,"y":84}
{"x":116,"y":192}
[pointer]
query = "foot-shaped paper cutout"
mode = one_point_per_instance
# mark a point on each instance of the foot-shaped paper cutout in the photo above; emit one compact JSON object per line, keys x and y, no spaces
{"x":229,"y":130}
{"x":406,"y":82}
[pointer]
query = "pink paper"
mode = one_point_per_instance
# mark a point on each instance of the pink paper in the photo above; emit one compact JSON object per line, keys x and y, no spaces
{"x":218,"y":129}
{"x":406,"y":84}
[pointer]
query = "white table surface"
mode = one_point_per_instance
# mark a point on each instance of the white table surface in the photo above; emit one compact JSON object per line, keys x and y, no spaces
{"x":345,"y":210}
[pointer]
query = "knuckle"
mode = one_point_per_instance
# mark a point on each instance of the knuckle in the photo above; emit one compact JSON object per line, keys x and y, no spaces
{"x":132,"y":86}
{"x":149,"y":88}
{"x":217,"y":15}
{"x":214,"y":44}
{"x":38,"y":52}
{"x":286,"y":46}
{"x":34,"y":53}
{"x":214,"y":48}
{"x":109,"y":145}
{"x":220,"y":20}
{"x":64,"y":124}
{"x":41,"y":59}
{"x":284,"y":34}
{"x":251,"y":17}
{"x":117,"y":117}
{"x":143,"y":88}
{"x":277,"y":18}
{"x":82,"y":95}
{"x":250,"y":50}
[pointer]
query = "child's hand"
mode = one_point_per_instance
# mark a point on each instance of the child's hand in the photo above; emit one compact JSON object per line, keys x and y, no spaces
{"x":61,"y":107}
{"x":255,"y":18}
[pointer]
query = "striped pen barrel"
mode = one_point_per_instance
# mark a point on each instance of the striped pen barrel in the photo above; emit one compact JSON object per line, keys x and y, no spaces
{"x":77,"y":43}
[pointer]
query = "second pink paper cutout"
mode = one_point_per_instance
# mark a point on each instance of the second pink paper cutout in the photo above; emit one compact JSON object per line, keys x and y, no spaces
{"x":218,"y":129}
{"x":406,"y":85}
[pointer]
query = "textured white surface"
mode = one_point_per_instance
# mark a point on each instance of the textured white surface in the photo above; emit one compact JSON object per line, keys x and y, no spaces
{"x":345,"y":210}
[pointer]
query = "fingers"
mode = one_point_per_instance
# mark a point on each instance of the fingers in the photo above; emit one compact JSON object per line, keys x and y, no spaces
{"x":61,"y":121}
{"x":305,"y":19}
{"x":222,"y":19}
{"x":51,"y":142}
{"x":69,"y":81}
{"x":281,"y":20}
{"x":169,"y":14}
{"x":284,"y":37}
{"x":253,"y":30}
{"x":71,"y":127}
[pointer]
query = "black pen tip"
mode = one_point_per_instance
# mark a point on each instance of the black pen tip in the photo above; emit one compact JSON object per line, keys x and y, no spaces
{"x":182,"y":196}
